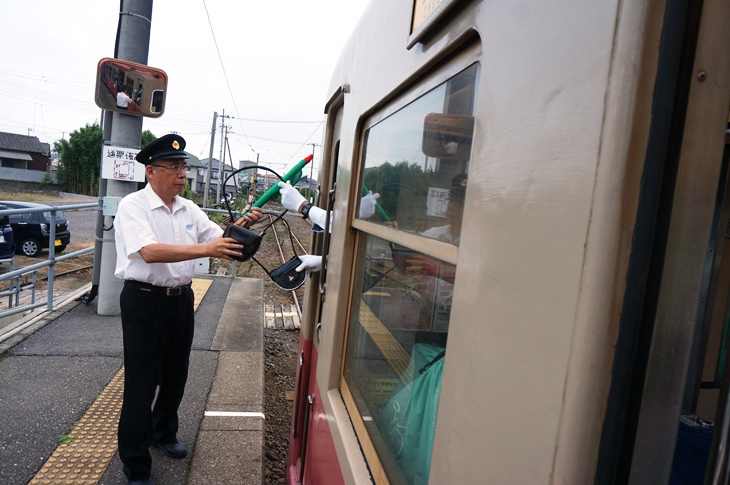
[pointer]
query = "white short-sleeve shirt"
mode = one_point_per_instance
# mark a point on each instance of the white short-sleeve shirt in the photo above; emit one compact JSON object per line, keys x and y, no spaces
{"x":143,"y":219}
{"x":442,"y":233}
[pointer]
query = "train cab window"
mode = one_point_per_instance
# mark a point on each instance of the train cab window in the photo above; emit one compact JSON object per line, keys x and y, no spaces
{"x":417,"y":159}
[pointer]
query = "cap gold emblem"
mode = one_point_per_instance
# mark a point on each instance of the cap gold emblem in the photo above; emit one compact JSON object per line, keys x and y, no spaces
{"x":175,"y":145}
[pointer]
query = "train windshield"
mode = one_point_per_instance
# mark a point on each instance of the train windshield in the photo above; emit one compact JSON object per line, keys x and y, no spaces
{"x":417,"y":159}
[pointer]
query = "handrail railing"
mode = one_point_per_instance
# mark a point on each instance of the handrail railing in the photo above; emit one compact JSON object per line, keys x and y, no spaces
{"x":14,"y":276}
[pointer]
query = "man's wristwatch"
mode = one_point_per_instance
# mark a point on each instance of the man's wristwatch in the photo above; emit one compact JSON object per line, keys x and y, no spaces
{"x":305,"y":210}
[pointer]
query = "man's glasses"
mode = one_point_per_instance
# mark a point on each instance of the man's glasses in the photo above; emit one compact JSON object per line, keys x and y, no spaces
{"x":174,"y":168}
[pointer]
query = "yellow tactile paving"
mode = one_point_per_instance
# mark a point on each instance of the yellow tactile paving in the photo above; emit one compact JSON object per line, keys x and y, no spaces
{"x":87,"y":449}
{"x":200,"y":288}
{"x":389,"y":346}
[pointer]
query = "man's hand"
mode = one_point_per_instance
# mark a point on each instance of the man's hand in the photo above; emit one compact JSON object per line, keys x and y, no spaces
{"x":310,"y":262}
{"x":290,"y":197}
{"x":422,"y":265}
{"x":367,"y":205}
{"x":251,"y":218}
{"x":225,"y":248}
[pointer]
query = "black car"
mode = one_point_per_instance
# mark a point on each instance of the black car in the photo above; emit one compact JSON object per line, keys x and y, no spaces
{"x":7,"y":245}
{"x":31,"y":230}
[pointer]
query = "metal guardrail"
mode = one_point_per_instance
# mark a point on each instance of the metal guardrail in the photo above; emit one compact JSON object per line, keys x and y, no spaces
{"x":14,"y":276}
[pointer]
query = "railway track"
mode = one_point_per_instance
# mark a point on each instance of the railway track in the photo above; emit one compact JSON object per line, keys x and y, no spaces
{"x":67,"y":272}
{"x":302,"y":249}
{"x":281,"y":239}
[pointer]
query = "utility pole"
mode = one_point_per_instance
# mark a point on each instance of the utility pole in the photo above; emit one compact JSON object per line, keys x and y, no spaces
{"x":210,"y":161}
{"x":252,"y":188}
{"x":133,"y":42}
{"x":220,"y":160}
{"x":223,"y":160}
{"x":311,"y":173}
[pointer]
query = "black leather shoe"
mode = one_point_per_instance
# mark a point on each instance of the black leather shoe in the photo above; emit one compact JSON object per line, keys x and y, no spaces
{"x":149,"y":481}
{"x":173,"y":450}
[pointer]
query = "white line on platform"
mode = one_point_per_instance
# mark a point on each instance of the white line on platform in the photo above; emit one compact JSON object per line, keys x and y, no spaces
{"x":235,"y":414}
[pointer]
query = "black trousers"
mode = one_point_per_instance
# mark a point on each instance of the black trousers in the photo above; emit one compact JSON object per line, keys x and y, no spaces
{"x":158,"y":334}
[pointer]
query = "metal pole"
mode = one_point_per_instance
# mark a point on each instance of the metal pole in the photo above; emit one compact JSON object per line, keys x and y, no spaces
{"x":224,"y":141}
{"x":133,"y":40}
{"x":220,"y":175}
{"x":98,"y":246}
{"x":52,"y":258}
{"x":311,"y":176}
{"x":210,"y":161}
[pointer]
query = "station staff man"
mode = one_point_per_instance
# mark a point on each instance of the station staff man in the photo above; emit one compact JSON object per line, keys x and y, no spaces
{"x":158,"y":236}
{"x":123,"y":100}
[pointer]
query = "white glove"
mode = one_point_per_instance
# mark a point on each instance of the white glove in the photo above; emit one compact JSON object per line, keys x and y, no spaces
{"x":310,"y":262}
{"x":290,"y":197}
{"x":367,"y":205}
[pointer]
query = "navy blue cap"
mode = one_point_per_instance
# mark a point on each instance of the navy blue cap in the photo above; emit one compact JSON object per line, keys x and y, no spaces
{"x":168,"y":147}
{"x":458,"y":188}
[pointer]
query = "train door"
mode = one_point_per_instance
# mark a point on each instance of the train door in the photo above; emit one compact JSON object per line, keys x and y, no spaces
{"x":668,"y":415}
{"x":302,"y":450}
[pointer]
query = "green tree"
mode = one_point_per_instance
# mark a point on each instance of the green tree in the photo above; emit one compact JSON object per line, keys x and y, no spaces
{"x":80,"y":159}
{"x":46,"y":179}
{"x":403,"y":188}
{"x":147,"y":138}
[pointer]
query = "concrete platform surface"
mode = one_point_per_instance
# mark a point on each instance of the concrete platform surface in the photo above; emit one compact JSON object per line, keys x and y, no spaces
{"x":58,"y":370}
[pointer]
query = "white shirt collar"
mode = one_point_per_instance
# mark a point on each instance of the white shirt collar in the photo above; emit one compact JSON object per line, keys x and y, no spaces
{"x":156,"y":202}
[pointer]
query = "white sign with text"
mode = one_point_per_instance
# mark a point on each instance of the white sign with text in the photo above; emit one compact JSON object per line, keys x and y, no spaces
{"x":118,"y":163}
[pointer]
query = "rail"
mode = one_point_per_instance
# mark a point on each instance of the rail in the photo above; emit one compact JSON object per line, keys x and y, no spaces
{"x":14,"y":276}
{"x":283,"y":260}
{"x":277,"y":240}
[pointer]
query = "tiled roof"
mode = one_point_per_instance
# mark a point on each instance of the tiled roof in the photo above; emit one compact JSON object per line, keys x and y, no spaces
{"x":22,"y":143}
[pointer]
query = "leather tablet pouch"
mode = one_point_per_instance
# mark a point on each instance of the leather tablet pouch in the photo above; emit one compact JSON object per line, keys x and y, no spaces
{"x":250,"y":240}
{"x":286,"y":276}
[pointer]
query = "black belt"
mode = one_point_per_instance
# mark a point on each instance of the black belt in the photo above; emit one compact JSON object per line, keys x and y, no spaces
{"x":160,"y":290}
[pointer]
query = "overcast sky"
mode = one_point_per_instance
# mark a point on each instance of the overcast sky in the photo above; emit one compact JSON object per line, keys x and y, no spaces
{"x":270,"y":70}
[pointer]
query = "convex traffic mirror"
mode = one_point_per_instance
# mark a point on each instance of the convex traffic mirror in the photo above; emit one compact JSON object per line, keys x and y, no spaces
{"x":130,"y":88}
{"x":447,"y":136}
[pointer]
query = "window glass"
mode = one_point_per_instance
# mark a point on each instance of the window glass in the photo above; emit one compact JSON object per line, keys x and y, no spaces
{"x":24,"y":217}
{"x":396,"y":347}
{"x":417,"y":161}
{"x":60,"y":216}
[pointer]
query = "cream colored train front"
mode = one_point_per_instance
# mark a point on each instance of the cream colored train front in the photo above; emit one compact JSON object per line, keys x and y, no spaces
{"x":540,"y":295}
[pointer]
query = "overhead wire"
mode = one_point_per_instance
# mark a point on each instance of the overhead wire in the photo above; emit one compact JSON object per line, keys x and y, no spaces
{"x":235,"y":106}
{"x":225,"y":75}
{"x":309,"y":137}
{"x":276,"y":121}
{"x":25,"y":93}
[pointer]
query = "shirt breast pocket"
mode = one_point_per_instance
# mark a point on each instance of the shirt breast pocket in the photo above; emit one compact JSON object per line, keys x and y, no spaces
{"x":190,"y":233}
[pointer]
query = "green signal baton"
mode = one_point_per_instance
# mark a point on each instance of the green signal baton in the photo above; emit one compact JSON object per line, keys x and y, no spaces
{"x":292,"y":176}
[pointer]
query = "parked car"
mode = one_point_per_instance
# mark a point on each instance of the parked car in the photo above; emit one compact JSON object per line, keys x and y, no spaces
{"x":31,"y":230}
{"x":7,"y":243}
